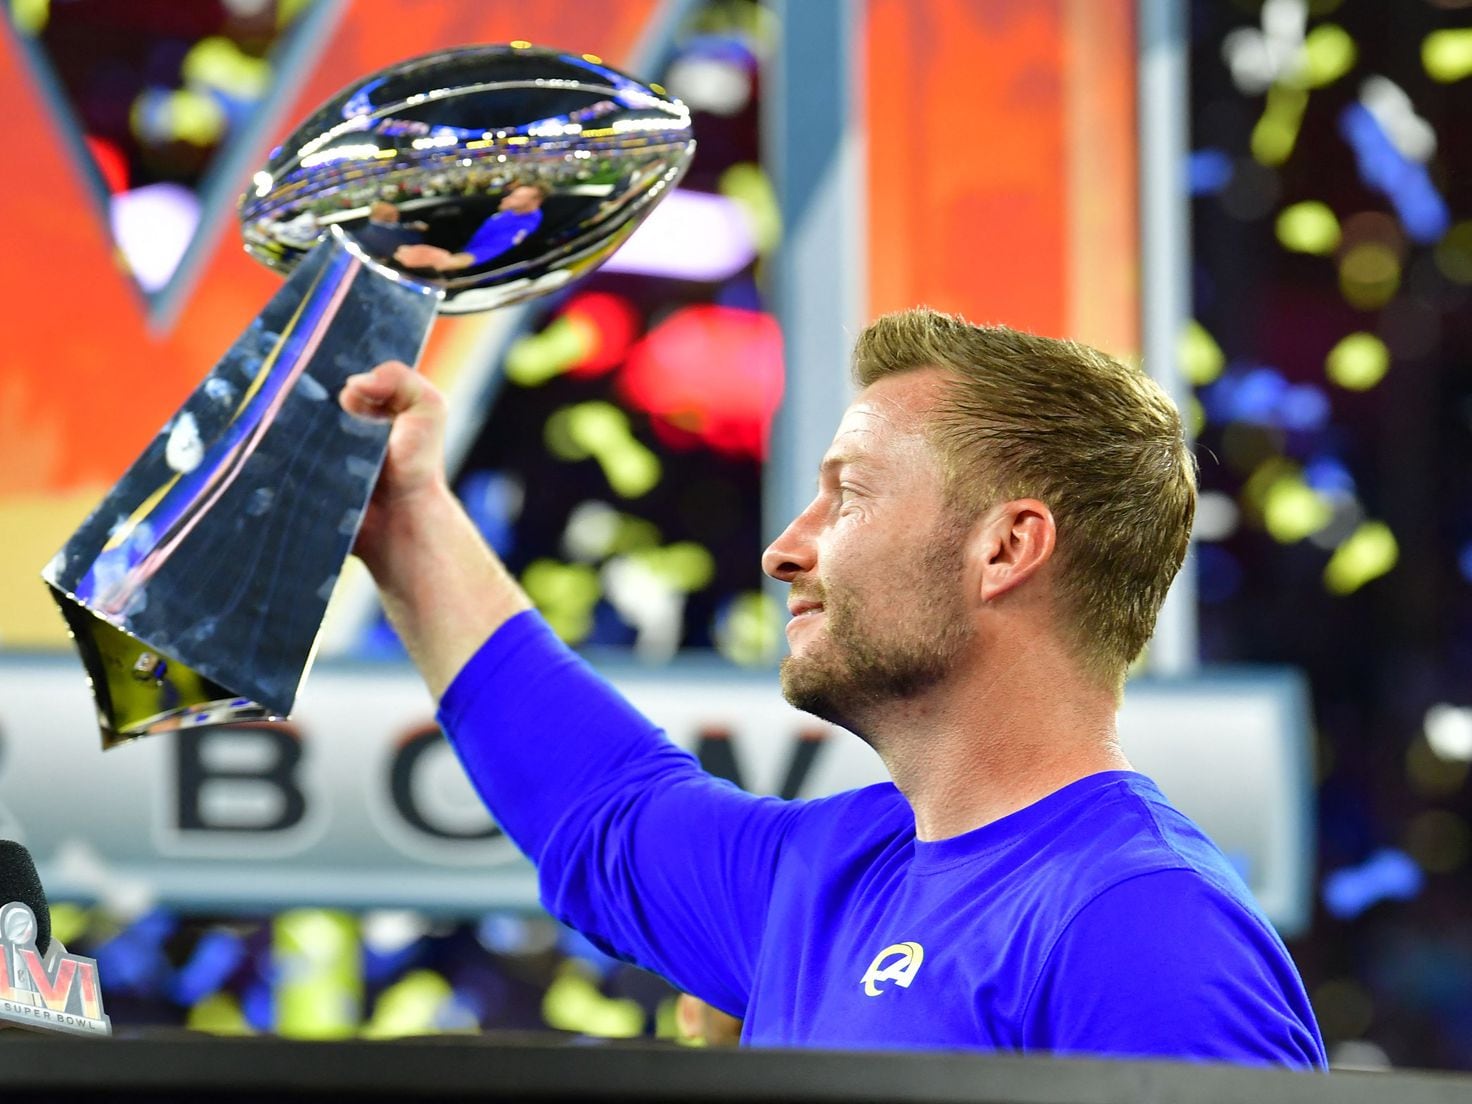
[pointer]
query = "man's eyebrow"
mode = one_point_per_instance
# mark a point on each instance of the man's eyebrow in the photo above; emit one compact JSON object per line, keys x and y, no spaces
{"x":833,"y":462}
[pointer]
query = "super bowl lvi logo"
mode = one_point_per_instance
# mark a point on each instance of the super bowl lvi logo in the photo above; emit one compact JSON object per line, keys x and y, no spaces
{"x":899,"y":962}
{"x":57,"y":992}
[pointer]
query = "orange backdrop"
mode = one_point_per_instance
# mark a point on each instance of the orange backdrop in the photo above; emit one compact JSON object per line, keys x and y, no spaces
{"x":1001,"y":139}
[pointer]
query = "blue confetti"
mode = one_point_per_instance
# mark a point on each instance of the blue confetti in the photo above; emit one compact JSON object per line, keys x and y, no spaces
{"x":490,"y":498}
{"x":258,"y":1006}
{"x":1387,"y":875}
{"x":1208,"y":171}
{"x":502,"y":933}
{"x":1304,"y":408}
{"x":1251,"y":396}
{"x":216,"y":956}
{"x":1404,"y":182}
{"x":133,"y":960}
{"x":1328,"y":475}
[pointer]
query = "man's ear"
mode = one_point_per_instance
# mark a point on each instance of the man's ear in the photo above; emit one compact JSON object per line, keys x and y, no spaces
{"x":1010,"y":545}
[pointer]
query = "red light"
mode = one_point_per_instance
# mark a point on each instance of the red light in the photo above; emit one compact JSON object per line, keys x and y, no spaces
{"x":615,"y":323}
{"x":709,"y":374}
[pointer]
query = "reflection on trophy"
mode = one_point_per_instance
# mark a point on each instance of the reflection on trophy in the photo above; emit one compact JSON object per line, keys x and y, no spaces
{"x":456,"y":182}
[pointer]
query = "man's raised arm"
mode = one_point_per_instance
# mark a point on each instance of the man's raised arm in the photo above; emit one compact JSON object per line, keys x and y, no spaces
{"x":634,"y":844}
{"x":443,"y":589}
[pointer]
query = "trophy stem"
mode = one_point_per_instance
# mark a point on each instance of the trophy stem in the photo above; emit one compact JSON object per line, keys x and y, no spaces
{"x":196,"y":590}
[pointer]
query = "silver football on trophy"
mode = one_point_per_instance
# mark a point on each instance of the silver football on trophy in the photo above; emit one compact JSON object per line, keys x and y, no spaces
{"x":460,"y":181}
{"x":494,"y":173}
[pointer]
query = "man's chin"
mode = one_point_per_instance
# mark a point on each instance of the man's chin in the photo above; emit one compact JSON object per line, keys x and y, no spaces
{"x":809,"y":689}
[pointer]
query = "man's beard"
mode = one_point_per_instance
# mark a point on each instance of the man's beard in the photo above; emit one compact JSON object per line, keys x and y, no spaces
{"x":865,"y":658}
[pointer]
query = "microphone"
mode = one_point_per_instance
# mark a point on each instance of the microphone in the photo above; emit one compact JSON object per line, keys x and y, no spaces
{"x":41,"y":986}
{"x":20,"y":884}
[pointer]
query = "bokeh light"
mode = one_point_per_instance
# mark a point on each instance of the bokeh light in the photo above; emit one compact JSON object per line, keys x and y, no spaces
{"x":1448,"y":731}
{"x":1292,"y":510}
{"x":1447,"y":54}
{"x":1277,"y":131}
{"x":1387,"y":875}
{"x":601,"y":431}
{"x":1438,"y":840}
{"x":1454,"y":253}
{"x":1201,"y":357}
{"x":160,"y":93}
{"x":711,"y":374}
{"x":1369,"y":552}
{"x":1432,"y":775}
{"x":1308,"y":227}
{"x":1358,"y":361}
{"x":1369,"y":275}
{"x":1217,"y":516}
{"x":1328,"y":53}
{"x":565,"y":593}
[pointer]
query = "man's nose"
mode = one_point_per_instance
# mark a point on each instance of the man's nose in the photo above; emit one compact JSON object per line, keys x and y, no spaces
{"x":792,"y":553}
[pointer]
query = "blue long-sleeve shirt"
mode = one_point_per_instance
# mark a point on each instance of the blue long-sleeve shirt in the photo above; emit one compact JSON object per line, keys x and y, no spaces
{"x":500,"y":232}
{"x":1098,"y":920}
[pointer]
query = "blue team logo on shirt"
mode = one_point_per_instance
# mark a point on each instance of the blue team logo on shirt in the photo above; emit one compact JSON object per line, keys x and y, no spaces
{"x":902,"y":959}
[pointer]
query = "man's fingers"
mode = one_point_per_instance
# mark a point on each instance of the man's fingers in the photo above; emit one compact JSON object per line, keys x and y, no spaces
{"x":389,"y":389}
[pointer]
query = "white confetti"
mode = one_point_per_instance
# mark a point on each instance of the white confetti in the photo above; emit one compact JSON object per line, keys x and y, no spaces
{"x":184,"y":450}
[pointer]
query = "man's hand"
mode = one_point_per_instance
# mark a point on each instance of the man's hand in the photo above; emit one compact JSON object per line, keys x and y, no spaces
{"x":432,"y":256}
{"x":419,"y":255}
{"x":414,"y":468}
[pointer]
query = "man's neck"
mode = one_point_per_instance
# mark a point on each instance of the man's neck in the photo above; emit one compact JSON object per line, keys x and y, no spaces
{"x":981,"y":747}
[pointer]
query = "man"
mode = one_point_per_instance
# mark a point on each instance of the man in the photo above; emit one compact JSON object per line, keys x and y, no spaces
{"x":516,"y":217}
{"x":995,"y":527}
{"x":385,"y":231}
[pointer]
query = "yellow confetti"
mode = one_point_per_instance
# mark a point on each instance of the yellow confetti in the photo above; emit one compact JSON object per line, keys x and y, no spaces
{"x":1308,"y":227}
{"x":1447,"y":55}
{"x":1328,"y":53}
{"x":1276,"y":132}
{"x":1200,"y":356}
{"x":1368,"y":553}
{"x":1358,"y":362}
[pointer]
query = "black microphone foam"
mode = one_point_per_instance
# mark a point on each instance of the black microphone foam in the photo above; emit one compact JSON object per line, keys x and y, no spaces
{"x":20,"y":882}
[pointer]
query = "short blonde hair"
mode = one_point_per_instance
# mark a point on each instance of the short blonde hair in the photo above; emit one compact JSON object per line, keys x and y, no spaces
{"x":1097,"y":441}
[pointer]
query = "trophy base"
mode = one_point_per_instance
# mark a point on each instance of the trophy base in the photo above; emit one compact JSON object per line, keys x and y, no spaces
{"x":140,"y":690}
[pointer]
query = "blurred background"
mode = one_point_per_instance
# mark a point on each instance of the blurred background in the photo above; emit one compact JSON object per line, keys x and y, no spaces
{"x":629,"y":444}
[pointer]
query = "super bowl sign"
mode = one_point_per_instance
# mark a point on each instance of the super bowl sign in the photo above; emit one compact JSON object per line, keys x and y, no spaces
{"x":361,"y":803}
{"x":54,"y":992}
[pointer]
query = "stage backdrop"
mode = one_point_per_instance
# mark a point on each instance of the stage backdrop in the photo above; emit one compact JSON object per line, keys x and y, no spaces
{"x":1000,"y":183}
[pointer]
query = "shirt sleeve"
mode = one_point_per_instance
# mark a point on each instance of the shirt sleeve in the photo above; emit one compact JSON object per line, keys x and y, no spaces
{"x":1166,"y":964}
{"x":636,"y":846}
